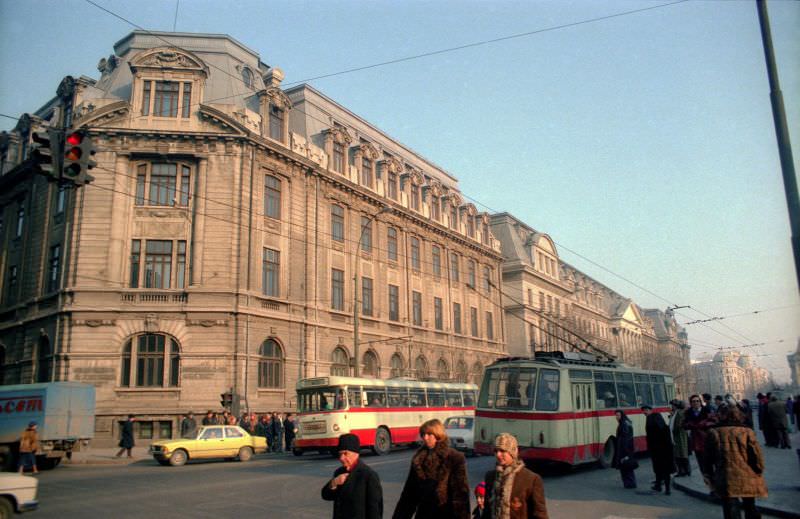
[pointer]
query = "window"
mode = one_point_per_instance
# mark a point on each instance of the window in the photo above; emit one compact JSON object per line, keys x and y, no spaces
{"x":135,"y":258}
{"x":337,"y":289}
{"x":391,"y":186}
{"x":272,"y":197}
{"x":366,"y":234}
{"x":473,"y":317}
{"x":20,"y":221}
{"x":247,"y":77}
{"x":366,"y":296}
{"x":436,"y":256}
{"x":415,"y":262}
{"x":547,"y":390}
{"x":453,"y":217}
{"x":454,"y":267}
{"x":337,"y":223}
{"x":625,"y":390}
{"x":487,"y":279}
{"x":158,"y":263}
{"x":394,"y":303}
{"x":148,"y":362}
{"x":470,"y":226}
{"x":438,"y":318}
{"x":180,"y":266}
{"x":414,"y":197}
{"x":366,"y":172}
{"x":461,"y":376}
{"x":644,"y":390}
{"x":338,"y":157}
{"x":53,"y":268}
{"x":163,"y":184}
{"x":416,"y":299}
{"x":435,"y":209}
{"x":457,"y":317}
{"x":276,"y":116}
{"x":61,"y":199}
{"x":489,"y":326}
{"x":187,"y":100}
{"x":270,"y":365}
{"x":391,"y":243}
{"x":471,"y":273}
{"x":396,"y":364}
{"x":477,"y":373}
{"x":44,"y":361}
{"x":166,"y":99}
{"x":442,"y":370}
{"x":421,"y":367}
{"x":340,"y":363}
{"x":271,"y":272}
{"x":371,"y":365}
{"x":605,"y":390}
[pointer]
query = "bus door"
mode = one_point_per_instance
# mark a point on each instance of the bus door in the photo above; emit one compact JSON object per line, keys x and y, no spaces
{"x":584,"y":432}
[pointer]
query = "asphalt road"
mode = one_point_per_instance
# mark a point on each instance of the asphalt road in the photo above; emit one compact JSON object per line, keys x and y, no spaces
{"x":285,"y":486}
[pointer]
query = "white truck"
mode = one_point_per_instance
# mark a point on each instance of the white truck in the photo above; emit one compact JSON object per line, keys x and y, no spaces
{"x":63,"y":411}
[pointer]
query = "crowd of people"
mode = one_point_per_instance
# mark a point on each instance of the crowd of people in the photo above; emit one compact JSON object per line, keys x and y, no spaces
{"x":278,"y":428}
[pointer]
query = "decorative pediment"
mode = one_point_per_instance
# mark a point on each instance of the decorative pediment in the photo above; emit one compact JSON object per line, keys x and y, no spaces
{"x":223,"y":120}
{"x":276,"y":97}
{"x":434,"y":187}
{"x":339,"y":135}
{"x":414,"y":175}
{"x":168,"y":58}
{"x":392,"y":165}
{"x":368,"y":150}
{"x":454,"y":199}
{"x":484,"y":217}
{"x":469,"y":209}
{"x":87,"y":114}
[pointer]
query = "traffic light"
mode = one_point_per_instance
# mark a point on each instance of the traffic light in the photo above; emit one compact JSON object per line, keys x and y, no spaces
{"x":78,"y":152}
{"x":226,"y":400}
{"x":46,"y":153}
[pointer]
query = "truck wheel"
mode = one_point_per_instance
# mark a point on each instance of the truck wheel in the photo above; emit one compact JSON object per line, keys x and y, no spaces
{"x":6,"y":508}
{"x":45,"y":463}
{"x":7,"y":459}
{"x":178,"y":458}
{"x":607,"y":456}
{"x":245,"y":454}
{"x":383,"y":442}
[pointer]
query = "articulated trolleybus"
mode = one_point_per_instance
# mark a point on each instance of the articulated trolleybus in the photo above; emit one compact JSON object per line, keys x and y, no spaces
{"x":381,"y":413}
{"x":560,"y":405}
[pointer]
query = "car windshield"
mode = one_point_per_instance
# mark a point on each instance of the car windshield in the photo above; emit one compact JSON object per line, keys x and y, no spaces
{"x":458,"y":422}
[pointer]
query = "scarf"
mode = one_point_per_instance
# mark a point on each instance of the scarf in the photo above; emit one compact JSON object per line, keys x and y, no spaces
{"x":503,"y":483}
{"x":431,"y":464}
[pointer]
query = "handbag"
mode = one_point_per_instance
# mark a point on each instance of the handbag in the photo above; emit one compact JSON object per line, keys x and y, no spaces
{"x":629,"y":464}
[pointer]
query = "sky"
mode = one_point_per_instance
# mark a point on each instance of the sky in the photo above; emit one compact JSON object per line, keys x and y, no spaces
{"x":642,"y":143}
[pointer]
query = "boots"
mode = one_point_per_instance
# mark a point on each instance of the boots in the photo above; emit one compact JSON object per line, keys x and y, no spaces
{"x":667,"y":490}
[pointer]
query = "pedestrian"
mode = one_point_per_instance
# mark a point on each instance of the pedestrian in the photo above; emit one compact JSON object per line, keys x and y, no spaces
{"x":680,"y":438}
{"x":231,"y":420}
{"x":512,"y":491}
{"x":747,"y":411}
{"x":480,"y":499}
{"x":659,"y":446}
{"x":28,"y":446}
{"x":770,"y":439}
{"x":355,"y":489}
{"x":735,"y":464}
{"x":776,"y":415}
{"x":718,"y":401}
{"x":436,"y":486}
{"x":796,"y":410}
{"x":624,"y":450}
{"x":277,"y":432}
{"x":188,"y":426}
{"x":263,"y":429}
{"x":289,"y":431}
{"x":790,"y":411}
{"x":708,"y":403}
{"x":126,"y":442}
{"x":697,"y":421}
{"x":209,"y":418}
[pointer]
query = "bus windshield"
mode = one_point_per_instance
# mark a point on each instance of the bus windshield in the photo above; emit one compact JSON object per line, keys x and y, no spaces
{"x":321,"y":399}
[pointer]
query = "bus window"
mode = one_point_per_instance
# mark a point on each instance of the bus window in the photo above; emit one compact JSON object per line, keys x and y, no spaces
{"x":547,"y":390}
{"x":659,"y":390}
{"x":644,"y":394}
{"x":491,"y":380}
{"x":416,"y":398}
{"x":354,"y":397}
{"x":376,"y":396}
{"x":398,"y":396}
{"x":515,"y":388}
{"x":453,"y":397}
{"x":436,"y":397}
{"x":323,"y":399}
{"x":469,"y":398}
{"x":625,"y":391}
{"x":580,"y":374}
{"x":605,"y":390}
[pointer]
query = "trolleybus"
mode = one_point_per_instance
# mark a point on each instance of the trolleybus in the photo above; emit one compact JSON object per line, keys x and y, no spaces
{"x":381,"y":413}
{"x":560,"y":405}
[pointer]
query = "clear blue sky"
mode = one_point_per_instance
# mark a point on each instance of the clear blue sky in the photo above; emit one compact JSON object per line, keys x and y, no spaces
{"x":643,"y":142}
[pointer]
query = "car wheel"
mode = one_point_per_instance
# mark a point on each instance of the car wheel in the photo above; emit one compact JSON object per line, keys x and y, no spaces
{"x":383,"y":442}
{"x":178,"y":458}
{"x":607,"y":456}
{"x":297,"y":452}
{"x":245,"y":454}
{"x":6,"y":508}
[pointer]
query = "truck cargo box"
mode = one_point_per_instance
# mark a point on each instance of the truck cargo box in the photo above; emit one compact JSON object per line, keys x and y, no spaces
{"x":63,"y":411}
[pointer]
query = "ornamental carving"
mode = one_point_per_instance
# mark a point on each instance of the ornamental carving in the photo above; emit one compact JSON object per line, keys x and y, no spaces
{"x":169,"y":58}
{"x":435,"y":188}
{"x":414,"y":175}
{"x":454,"y":199}
{"x":207,"y":323}
{"x":66,"y":88}
{"x":106,"y":66}
{"x":275,"y":96}
{"x":367,"y":150}
{"x":469,"y":209}
{"x":339,"y":135}
{"x":392,"y":165}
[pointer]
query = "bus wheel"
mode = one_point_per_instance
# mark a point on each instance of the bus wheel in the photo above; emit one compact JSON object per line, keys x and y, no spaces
{"x":383,"y":442}
{"x":297,"y":452}
{"x":607,"y":456}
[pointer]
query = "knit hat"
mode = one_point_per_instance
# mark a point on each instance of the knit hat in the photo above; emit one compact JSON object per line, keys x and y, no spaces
{"x":348,"y":442}
{"x":32,"y":424}
{"x":508,"y":443}
{"x":480,"y":489}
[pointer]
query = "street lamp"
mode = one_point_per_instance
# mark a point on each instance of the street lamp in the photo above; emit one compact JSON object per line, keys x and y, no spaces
{"x":384,"y":209}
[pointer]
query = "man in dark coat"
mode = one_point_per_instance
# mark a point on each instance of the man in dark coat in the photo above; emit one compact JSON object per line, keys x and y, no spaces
{"x":659,"y":446}
{"x":277,"y":433}
{"x":776,"y":415}
{"x":289,"y":431}
{"x":624,"y":450}
{"x":126,"y":442}
{"x":355,"y":489}
{"x":188,"y":426}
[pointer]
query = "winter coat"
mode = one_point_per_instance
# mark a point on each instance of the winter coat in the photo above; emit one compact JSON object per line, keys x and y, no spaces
{"x":126,"y":441}
{"x":776,"y":414}
{"x":624,"y":442}
{"x":680,"y":438}
{"x":360,"y":497}
{"x":29,"y":442}
{"x":527,"y":496}
{"x":436,"y":486}
{"x":659,"y":444}
{"x":289,"y":430}
{"x":734,"y":461}
{"x":698,"y":426}
{"x":188,"y":428}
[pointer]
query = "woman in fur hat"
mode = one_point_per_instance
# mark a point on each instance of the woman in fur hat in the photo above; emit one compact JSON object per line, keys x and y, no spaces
{"x":436,"y":486}
{"x":512,"y":491}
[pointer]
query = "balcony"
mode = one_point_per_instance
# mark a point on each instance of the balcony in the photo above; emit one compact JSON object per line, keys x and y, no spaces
{"x":154,"y":298}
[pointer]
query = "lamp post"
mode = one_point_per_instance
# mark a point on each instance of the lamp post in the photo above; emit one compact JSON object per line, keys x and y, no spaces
{"x":368,"y":224}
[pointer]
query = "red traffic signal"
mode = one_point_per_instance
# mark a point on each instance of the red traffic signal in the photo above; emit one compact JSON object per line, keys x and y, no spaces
{"x":78,"y":152}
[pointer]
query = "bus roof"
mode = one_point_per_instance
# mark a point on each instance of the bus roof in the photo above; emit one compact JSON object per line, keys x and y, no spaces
{"x":570,"y":360}
{"x":307,"y":383}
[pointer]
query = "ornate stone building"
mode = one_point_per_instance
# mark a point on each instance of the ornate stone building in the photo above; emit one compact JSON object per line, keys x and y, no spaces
{"x":551,"y":305}
{"x":731,"y":372}
{"x":219,"y":243}
{"x":794,"y":366}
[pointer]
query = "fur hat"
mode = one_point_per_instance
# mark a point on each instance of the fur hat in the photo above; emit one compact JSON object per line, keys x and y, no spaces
{"x":508,"y":443}
{"x":348,"y":442}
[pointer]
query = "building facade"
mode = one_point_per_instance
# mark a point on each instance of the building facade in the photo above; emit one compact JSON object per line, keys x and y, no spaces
{"x":793,"y":359}
{"x":234,"y":234}
{"x":550,"y":306}
{"x":731,"y":372}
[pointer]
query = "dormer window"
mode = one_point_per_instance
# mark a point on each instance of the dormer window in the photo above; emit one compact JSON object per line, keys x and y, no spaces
{"x":435,"y":209}
{"x":167,"y":82}
{"x":391,"y":186}
{"x":470,"y":227}
{"x":166,"y":98}
{"x":414,"y":197}
{"x":247,"y":77}
{"x":454,"y":217}
{"x":276,"y":119}
{"x":338,"y":157}
{"x":366,"y":172}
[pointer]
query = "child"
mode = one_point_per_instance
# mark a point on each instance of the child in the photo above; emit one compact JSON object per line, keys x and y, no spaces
{"x":480,"y":494}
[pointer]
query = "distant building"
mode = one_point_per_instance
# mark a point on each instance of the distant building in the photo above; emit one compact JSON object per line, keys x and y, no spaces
{"x":794,"y":366}
{"x":731,"y":372}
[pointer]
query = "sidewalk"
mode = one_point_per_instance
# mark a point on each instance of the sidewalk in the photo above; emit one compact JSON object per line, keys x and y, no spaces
{"x":106,"y":456}
{"x":782,"y":475}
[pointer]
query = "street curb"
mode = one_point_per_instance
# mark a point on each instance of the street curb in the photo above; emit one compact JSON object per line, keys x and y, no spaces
{"x":96,"y":461}
{"x":704,"y":495}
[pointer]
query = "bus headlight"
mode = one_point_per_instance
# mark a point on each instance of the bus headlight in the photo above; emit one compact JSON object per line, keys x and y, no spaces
{"x":336,"y":427}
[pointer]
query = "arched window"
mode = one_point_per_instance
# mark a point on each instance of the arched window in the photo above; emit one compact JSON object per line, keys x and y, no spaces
{"x":442,"y":370}
{"x":44,"y":360}
{"x":247,"y":77}
{"x":477,"y":373}
{"x":147,"y":361}
{"x":397,"y":365}
{"x":270,"y":364}
{"x":371,"y":364}
{"x":340,"y":363}
{"x":421,"y":367}
{"x":461,"y":371}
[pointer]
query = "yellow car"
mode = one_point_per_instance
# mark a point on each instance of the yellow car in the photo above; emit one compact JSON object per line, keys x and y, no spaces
{"x":213,"y":441}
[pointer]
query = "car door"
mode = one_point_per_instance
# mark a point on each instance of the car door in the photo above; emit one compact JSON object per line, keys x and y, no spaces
{"x":234,"y":440}
{"x":210,"y":443}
